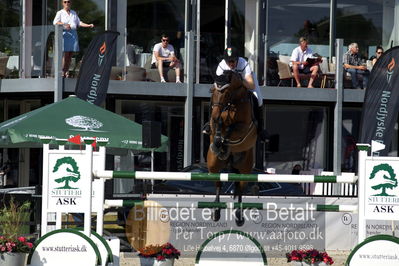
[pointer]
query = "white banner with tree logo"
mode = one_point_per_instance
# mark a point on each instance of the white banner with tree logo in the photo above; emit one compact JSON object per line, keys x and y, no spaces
{"x":381,"y":188}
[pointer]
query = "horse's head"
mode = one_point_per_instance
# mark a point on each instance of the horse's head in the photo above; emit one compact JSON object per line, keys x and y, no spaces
{"x":227,"y":91}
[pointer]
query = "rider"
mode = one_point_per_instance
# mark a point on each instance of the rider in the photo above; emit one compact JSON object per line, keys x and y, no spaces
{"x":232,"y":61}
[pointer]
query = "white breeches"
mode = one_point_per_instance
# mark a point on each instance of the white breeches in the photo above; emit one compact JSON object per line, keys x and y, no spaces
{"x":256,"y":91}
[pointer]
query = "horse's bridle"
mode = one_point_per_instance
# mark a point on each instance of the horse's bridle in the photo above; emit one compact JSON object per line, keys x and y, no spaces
{"x":228,"y":106}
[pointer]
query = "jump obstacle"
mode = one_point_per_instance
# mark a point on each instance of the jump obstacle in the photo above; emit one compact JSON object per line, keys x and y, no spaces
{"x":93,"y":199}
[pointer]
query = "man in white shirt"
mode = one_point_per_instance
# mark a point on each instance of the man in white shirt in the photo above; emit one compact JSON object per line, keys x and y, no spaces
{"x":300,"y":65}
{"x":233,"y":62}
{"x":163,"y":56}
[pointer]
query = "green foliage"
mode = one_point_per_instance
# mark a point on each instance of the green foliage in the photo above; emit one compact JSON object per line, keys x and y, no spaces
{"x":13,"y":217}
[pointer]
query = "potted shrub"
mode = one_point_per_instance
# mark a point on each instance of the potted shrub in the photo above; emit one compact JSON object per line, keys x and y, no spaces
{"x":309,"y":257}
{"x":14,"y":247}
{"x":156,"y":255}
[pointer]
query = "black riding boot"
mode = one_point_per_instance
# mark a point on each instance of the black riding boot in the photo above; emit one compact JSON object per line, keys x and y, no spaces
{"x":206,"y":129}
{"x":262,"y":134}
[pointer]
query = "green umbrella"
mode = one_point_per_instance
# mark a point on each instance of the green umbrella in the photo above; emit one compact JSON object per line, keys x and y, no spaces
{"x":71,"y":117}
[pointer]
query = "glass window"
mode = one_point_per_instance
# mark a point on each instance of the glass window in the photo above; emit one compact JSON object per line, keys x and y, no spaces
{"x":241,"y":34}
{"x":9,"y":38}
{"x":171,"y":116}
{"x":212,"y":21}
{"x":351,"y":118}
{"x":146,"y":22}
{"x":90,"y":12}
{"x":365,"y":23}
{"x":301,"y":139}
{"x":287,"y":22}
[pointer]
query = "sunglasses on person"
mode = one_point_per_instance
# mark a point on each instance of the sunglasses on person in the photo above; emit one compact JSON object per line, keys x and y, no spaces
{"x":67,"y":2}
{"x":379,"y":52}
{"x":165,"y":40}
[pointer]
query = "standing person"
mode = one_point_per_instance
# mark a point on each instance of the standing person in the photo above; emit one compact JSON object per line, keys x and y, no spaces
{"x":378,"y":52}
{"x":163,"y":56}
{"x":232,"y":61}
{"x":354,"y":66}
{"x":299,"y":64}
{"x":70,"y":20}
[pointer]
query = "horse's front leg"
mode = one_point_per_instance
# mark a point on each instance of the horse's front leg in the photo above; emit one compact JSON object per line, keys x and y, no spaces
{"x":216,"y":211}
{"x":238,"y":190}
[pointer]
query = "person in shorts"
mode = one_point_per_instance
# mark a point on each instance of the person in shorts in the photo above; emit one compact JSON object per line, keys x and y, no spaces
{"x":300,"y":65}
{"x":163,"y":56}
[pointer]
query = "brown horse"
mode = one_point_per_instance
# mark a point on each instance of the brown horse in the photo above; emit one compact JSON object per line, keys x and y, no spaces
{"x":233,"y":133}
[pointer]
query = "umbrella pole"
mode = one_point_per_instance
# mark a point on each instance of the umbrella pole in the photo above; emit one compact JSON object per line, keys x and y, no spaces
{"x":152,"y":169}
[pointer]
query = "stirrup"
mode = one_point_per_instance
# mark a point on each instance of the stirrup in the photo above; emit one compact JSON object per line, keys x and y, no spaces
{"x":206,"y":129}
{"x":263,"y":136}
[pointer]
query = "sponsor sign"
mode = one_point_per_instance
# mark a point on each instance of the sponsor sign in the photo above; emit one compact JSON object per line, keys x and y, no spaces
{"x":68,"y":183}
{"x":381,"y":188}
{"x":280,"y":229}
{"x":65,"y":247}
{"x":93,"y":80}
{"x":284,"y":227}
{"x":381,"y":103}
{"x":382,"y":250}
{"x":231,"y":247}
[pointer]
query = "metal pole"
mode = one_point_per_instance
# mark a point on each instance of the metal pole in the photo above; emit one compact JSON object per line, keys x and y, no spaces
{"x":188,"y":105}
{"x":58,"y":63}
{"x":198,"y":39}
{"x":266,"y":41}
{"x":106,"y":14}
{"x":187,"y":4}
{"x":338,"y":111}
{"x":363,"y":149}
{"x":257,"y":45}
{"x":152,"y":169}
{"x":333,"y":9}
{"x":227,"y":23}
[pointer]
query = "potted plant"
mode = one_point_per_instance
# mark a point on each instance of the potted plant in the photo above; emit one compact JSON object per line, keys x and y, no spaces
{"x":14,"y":247}
{"x":309,"y":257}
{"x":156,"y":255}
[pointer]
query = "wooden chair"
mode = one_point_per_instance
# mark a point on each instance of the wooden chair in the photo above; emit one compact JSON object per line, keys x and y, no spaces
{"x":284,"y":72}
{"x":3,"y":66}
{"x":327,"y":74}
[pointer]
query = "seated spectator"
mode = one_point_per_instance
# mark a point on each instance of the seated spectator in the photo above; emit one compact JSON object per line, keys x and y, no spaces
{"x":378,"y":52}
{"x":353,"y":65}
{"x":299,"y":63}
{"x":164,"y":57}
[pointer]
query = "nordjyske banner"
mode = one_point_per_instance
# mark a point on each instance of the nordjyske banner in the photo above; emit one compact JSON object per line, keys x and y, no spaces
{"x":381,"y":102}
{"x":93,"y":79}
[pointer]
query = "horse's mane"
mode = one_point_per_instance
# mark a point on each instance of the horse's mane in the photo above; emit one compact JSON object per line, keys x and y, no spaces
{"x":224,"y":80}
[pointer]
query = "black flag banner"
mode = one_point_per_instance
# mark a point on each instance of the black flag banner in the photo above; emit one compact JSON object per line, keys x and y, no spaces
{"x":381,"y":102}
{"x":93,"y":79}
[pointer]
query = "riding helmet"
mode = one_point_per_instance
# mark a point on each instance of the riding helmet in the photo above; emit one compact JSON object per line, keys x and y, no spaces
{"x":230,"y":54}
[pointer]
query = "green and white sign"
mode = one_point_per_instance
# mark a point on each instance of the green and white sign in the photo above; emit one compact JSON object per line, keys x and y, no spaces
{"x":68,"y":183}
{"x":381,"y":188}
{"x":65,"y":247}
{"x":380,"y":250}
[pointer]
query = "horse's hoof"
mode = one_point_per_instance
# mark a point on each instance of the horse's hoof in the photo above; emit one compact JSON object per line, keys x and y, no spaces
{"x":223,"y":156}
{"x":255,"y":190}
{"x":213,"y":148}
{"x":239,"y":217}
{"x":216,"y":215}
